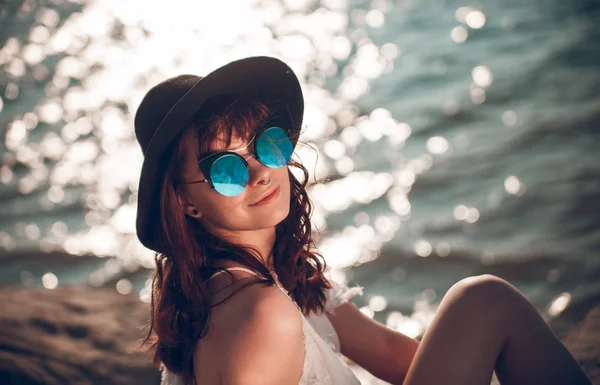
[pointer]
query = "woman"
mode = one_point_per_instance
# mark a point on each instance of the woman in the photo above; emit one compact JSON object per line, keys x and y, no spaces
{"x":239,"y":295}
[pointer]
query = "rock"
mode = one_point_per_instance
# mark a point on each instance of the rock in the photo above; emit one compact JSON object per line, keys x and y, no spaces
{"x":584,"y":343}
{"x":72,"y":335}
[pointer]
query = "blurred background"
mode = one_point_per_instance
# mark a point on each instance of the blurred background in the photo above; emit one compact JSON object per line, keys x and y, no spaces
{"x":457,"y":137}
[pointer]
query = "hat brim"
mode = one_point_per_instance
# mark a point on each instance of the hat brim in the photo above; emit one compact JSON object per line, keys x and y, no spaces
{"x":262,"y":78}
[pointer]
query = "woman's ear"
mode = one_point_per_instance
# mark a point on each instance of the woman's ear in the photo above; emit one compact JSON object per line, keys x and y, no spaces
{"x":188,"y":208}
{"x":194,"y":213}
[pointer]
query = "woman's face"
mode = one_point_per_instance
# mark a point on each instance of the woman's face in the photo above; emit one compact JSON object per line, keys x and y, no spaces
{"x":244,"y":212}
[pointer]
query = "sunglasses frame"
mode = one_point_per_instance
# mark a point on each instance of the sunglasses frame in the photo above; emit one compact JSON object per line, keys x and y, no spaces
{"x":205,"y":164}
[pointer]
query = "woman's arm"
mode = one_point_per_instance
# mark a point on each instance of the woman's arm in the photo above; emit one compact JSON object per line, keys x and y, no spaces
{"x":385,"y":353}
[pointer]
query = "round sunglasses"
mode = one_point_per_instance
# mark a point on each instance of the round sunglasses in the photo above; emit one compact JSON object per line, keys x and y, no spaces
{"x":227,"y":172}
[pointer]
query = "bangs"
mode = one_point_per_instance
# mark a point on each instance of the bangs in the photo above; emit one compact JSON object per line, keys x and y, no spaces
{"x":229,"y":117}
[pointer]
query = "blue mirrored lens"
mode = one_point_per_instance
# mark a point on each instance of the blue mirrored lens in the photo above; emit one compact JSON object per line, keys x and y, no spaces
{"x":274,"y":148}
{"x":229,"y":175}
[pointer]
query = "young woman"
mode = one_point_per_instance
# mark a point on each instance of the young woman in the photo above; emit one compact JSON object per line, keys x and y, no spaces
{"x":239,"y":295}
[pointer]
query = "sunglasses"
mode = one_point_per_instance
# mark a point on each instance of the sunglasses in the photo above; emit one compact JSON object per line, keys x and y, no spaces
{"x":227,"y":172}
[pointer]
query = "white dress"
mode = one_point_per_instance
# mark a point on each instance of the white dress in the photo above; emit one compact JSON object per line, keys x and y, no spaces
{"x":323,"y":362}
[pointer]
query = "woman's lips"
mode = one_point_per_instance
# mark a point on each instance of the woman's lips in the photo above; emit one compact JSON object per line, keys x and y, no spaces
{"x":269,"y":198}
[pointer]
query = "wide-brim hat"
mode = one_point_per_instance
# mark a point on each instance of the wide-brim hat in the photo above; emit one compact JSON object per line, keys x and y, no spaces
{"x":169,"y":107}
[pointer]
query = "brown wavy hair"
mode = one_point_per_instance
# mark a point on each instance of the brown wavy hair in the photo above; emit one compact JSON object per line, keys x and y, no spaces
{"x":181,"y":302}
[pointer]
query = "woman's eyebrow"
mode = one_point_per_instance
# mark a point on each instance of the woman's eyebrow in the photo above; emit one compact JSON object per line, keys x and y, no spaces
{"x":238,"y":150}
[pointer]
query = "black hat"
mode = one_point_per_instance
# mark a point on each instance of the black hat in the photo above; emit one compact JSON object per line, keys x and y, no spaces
{"x":169,"y":106}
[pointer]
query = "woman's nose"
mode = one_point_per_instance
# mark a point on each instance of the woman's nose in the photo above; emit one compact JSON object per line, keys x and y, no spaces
{"x":259,"y":173}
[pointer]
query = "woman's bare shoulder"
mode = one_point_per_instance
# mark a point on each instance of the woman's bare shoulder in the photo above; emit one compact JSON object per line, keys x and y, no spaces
{"x":259,"y":331}
{"x":254,"y":302}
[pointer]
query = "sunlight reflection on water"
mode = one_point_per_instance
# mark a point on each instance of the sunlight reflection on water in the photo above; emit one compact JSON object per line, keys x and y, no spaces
{"x":116,"y":50}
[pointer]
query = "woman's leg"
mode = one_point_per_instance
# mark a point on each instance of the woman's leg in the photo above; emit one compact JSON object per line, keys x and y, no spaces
{"x":484,"y":323}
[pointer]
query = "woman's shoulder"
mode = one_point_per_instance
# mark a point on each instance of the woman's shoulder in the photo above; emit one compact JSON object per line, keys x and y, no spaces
{"x":251,"y":302}
{"x":265,"y":343}
{"x":262,"y":305}
{"x":258,"y":324}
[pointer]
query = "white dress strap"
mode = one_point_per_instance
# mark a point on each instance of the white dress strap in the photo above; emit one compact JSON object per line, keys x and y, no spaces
{"x":272,"y":273}
{"x":237,"y":268}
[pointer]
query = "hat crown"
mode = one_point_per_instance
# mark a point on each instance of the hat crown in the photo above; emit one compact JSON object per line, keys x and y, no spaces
{"x":156,"y":105}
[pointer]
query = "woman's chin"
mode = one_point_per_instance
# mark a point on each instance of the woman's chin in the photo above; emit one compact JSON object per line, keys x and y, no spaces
{"x":271,"y":222}
{"x":272,"y":218}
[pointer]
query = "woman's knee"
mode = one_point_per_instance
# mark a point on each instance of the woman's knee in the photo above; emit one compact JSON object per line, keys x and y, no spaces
{"x":485,"y":292}
{"x":484,"y":282}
